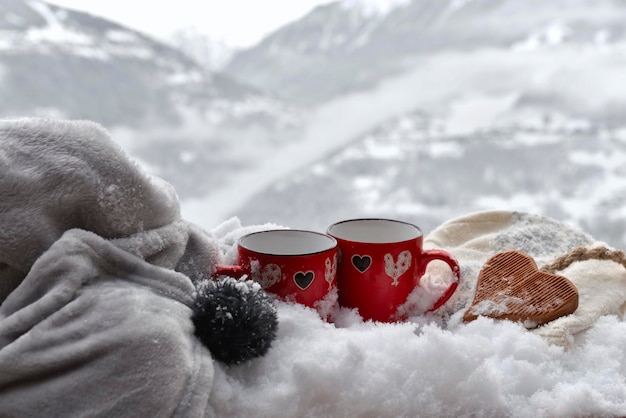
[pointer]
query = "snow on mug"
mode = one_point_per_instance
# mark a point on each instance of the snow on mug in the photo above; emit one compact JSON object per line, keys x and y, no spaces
{"x":295,"y":265}
{"x":381,"y":261}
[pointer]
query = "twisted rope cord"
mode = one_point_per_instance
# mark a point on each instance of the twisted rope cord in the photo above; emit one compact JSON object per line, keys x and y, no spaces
{"x":582,"y":254}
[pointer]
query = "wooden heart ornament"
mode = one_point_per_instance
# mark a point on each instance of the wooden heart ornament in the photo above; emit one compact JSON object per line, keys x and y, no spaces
{"x":511,"y":287}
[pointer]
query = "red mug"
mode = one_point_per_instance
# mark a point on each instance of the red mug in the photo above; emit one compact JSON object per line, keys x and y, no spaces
{"x":295,"y":265}
{"x":381,"y":261}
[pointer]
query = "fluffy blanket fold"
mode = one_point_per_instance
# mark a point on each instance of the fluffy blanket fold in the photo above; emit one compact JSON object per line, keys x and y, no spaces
{"x":60,"y":175}
{"x":97,"y":274}
{"x":95,"y":323}
{"x":94,"y":331}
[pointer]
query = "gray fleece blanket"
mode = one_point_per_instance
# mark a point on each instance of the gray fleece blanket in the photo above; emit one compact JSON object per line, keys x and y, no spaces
{"x":97,"y":273}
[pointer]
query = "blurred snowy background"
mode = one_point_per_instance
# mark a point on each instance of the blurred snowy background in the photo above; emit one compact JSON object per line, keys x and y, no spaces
{"x":421,"y":110}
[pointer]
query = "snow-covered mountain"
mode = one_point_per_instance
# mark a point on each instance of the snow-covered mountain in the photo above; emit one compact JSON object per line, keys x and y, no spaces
{"x":439,"y":108}
{"x":59,"y":62}
{"x":180,"y":120}
{"x":503,"y":104}
{"x":350,"y":45}
{"x":211,"y":53}
{"x":540,"y":131}
{"x":411,"y":168}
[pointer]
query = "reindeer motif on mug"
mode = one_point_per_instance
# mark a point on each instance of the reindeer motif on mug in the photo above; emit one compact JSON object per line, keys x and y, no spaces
{"x":331,"y":270}
{"x":395,"y":269}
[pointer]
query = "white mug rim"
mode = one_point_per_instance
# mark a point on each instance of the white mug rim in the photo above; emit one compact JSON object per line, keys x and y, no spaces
{"x":291,"y":251}
{"x":410,"y":231}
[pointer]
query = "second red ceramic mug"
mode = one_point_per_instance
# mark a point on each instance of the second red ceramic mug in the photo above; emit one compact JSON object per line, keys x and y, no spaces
{"x":381,"y":261}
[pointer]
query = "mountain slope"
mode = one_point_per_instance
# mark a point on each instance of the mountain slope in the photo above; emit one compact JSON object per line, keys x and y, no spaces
{"x":410,"y":168}
{"x":346,"y":46}
{"x":59,"y":62}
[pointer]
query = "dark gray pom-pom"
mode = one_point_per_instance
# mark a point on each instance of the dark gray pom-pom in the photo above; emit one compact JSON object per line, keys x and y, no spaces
{"x":236,"y":320}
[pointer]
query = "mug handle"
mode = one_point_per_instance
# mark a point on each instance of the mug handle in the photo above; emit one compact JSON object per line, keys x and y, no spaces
{"x":235,"y":271}
{"x":431,"y":255}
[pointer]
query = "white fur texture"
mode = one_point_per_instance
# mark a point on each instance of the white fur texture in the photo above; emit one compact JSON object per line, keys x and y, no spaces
{"x":474,"y":238}
{"x":60,"y":175}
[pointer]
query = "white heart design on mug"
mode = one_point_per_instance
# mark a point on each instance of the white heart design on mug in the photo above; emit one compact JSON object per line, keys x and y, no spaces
{"x":395,"y":269}
{"x":268,"y":276}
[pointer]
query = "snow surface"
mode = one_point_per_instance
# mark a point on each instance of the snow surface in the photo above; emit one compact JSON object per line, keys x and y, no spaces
{"x":427,"y":366}
{"x":486,"y":368}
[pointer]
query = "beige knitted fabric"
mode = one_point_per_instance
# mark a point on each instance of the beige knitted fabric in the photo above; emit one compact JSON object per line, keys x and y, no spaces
{"x":596,"y":272}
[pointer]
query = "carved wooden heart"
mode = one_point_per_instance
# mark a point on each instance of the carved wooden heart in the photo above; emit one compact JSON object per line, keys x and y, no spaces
{"x":511,"y":287}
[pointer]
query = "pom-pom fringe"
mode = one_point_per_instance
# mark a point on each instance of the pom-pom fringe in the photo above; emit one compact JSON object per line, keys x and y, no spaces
{"x":236,"y":320}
